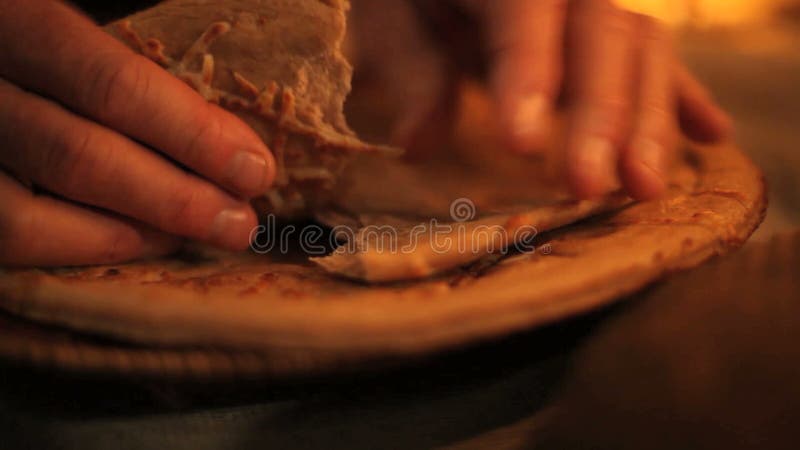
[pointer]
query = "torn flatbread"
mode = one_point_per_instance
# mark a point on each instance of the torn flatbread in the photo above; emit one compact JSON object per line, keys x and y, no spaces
{"x":415,"y":219}
{"x":278,"y":65}
{"x":385,"y":250}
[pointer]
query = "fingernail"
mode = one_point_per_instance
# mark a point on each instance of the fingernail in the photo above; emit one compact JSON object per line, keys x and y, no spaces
{"x":528,"y":119}
{"x":248,"y":173}
{"x":231,"y":229}
{"x":598,"y":161}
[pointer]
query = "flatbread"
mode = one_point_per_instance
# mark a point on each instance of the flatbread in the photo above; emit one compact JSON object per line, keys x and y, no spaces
{"x":301,"y":318}
{"x":282,"y":306}
{"x":276,"y":64}
{"x":385,"y":250}
{"x":473,"y":197}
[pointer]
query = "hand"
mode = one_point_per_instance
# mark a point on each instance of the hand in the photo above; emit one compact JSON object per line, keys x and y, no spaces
{"x":132,"y":159}
{"x":613,"y":74}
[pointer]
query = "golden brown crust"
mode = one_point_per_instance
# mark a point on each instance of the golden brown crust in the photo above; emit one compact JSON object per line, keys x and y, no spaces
{"x":373,"y":257}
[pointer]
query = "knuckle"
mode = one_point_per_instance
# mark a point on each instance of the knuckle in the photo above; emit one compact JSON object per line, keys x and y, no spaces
{"x":657,"y":122}
{"x":607,"y":116}
{"x":204,"y":139}
{"x":179,"y":212}
{"x":64,"y":156}
{"x":116,"y":82}
{"x":70,"y":159}
{"x":612,"y":107}
{"x":656,"y":113}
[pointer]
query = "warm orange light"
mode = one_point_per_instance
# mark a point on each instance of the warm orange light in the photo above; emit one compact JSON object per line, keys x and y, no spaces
{"x":705,"y":12}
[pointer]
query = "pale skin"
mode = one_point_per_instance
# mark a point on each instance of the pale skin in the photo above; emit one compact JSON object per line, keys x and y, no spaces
{"x":133,"y":162}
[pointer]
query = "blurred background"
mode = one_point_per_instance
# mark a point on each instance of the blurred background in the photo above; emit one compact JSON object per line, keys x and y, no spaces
{"x":705,"y":13}
{"x":748,"y":53}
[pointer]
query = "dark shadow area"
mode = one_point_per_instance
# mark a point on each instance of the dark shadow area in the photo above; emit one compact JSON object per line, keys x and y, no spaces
{"x":421,"y":404}
{"x":106,"y":11}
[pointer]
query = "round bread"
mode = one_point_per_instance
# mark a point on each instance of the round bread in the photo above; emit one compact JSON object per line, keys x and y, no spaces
{"x":300,"y":319}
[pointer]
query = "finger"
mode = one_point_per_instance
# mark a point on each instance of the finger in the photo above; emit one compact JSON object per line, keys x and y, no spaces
{"x":42,"y":231}
{"x":85,"y":162}
{"x":700,"y":117}
{"x":527,"y":41}
{"x":599,"y":79}
{"x":642,"y":165}
{"x":73,"y":61}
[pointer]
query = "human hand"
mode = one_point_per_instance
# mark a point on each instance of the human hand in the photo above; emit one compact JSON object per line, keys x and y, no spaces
{"x":613,"y":74}
{"x":132,"y":159}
